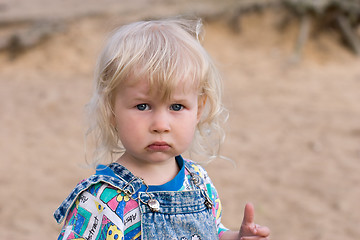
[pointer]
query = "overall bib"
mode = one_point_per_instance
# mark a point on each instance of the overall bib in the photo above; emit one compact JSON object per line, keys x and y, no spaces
{"x":182,"y":215}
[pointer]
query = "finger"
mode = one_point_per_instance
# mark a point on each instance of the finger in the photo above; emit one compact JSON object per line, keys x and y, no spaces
{"x":248,"y":214}
{"x":262,"y":231}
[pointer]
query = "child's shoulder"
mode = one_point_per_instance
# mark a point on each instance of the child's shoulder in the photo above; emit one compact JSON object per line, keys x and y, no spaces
{"x":195,"y":167}
{"x":103,"y":182}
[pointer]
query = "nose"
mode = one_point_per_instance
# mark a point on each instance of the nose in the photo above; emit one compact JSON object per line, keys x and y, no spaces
{"x":160,"y":122}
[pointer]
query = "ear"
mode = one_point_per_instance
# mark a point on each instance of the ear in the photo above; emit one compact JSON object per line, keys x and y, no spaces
{"x":201,"y":106}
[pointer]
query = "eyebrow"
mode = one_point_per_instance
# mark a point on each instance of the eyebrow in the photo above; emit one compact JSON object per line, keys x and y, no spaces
{"x":140,"y":95}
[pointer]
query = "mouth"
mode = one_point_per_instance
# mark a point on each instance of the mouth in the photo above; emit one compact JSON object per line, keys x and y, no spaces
{"x":159,"y":146}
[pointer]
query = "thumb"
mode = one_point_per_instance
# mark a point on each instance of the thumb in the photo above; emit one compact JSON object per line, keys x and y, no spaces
{"x":249,"y":214}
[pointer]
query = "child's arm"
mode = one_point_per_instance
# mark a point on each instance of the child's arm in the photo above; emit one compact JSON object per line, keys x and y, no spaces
{"x":248,"y":230}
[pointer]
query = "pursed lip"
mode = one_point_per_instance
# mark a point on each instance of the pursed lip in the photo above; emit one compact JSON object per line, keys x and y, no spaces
{"x":159,"y":146}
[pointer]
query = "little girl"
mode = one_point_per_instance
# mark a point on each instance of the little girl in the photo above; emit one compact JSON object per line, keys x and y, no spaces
{"x":157,"y":95}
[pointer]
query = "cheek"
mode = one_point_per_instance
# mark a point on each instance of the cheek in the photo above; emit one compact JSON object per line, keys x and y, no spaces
{"x":187,"y":129}
{"x":129,"y":137}
{"x":125,"y":128}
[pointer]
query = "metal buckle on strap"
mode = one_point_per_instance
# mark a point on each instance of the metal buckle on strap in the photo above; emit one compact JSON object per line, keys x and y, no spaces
{"x":197,"y":182}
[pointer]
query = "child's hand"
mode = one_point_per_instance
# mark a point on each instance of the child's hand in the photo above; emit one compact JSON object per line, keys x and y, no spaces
{"x":249,"y":230}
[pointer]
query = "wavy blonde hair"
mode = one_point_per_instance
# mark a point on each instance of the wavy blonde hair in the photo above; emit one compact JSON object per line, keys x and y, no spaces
{"x":166,"y":52}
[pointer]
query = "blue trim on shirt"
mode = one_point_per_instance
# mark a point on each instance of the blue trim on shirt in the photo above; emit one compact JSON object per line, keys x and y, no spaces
{"x":173,"y":185}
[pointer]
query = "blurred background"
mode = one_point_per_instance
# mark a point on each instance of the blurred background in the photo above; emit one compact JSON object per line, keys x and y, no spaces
{"x":291,"y":73}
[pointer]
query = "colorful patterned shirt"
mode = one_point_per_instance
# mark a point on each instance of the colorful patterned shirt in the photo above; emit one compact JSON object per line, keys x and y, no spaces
{"x":102,"y":211}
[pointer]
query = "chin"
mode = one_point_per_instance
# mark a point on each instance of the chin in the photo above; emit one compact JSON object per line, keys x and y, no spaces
{"x":160,"y":156}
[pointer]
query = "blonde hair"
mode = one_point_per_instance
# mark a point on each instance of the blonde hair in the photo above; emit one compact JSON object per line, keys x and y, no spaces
{"x":166,"y":52}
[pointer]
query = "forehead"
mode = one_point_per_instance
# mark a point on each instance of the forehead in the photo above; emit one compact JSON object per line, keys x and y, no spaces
{"x":160,"y":88}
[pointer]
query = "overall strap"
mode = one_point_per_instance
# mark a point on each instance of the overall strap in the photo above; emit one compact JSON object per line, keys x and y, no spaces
{"x":114,"y":175}
{"x":198,"y":182}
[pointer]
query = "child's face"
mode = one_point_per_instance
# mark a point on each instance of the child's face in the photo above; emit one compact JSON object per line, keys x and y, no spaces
{"x":153,"y":130}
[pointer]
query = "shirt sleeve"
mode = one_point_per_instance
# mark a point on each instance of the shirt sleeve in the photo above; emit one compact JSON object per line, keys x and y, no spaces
{"x":68,"y":231}
{"x":91,"y":218}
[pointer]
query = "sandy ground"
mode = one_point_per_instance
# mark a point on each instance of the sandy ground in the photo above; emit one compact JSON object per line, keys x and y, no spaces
{"x":293,"y":132}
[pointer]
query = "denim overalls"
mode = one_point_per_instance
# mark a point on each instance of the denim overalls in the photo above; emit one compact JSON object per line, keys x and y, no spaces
{"x":182,"y":215}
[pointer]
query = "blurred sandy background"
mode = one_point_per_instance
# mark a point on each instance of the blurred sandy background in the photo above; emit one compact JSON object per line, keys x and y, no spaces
{"x":293,"y":132}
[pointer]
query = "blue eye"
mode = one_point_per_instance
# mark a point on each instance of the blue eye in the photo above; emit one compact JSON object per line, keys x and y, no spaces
{"x":142,"y":107}
{"x":176,"y":107}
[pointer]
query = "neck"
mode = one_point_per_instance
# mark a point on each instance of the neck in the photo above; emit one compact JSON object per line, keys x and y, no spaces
{"x":151,"y":173}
